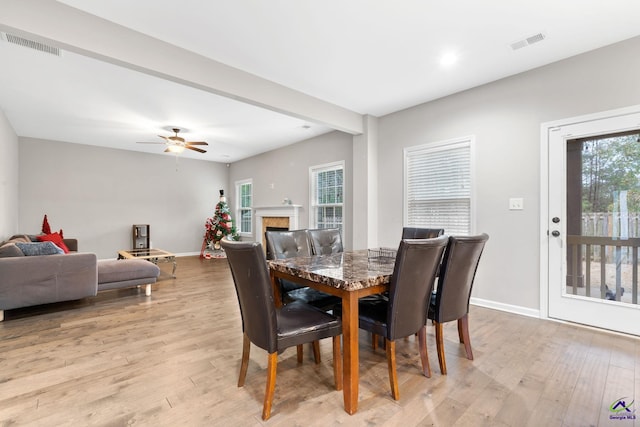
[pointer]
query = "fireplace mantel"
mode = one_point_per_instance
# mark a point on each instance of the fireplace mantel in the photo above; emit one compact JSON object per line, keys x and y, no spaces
{"x":277,"y":211}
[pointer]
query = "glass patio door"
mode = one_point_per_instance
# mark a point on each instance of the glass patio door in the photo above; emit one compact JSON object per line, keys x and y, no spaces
{"x":594,"y":221}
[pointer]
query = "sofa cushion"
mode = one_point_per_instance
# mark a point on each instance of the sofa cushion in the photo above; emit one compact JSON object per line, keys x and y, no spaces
{"x":56,"y":239}
{"x":10,"y":250}
{"x":110,"y":270}
{"x":19,"y":238}
{"x":39,"y":248}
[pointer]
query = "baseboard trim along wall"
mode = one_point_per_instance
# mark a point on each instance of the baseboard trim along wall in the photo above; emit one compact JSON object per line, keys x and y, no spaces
{"x":515,"y":309}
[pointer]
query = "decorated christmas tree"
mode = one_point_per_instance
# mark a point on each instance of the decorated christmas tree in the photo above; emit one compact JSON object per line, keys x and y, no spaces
{"x":220,"y":225}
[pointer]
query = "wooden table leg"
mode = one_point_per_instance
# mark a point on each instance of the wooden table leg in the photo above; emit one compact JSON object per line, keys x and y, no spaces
{"x":275,"y":284}
{"x":350,"y":353}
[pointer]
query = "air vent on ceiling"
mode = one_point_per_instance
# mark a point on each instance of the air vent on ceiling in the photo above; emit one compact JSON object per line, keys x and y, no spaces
{"x":21,"y":41}
{"x":527,"y":41}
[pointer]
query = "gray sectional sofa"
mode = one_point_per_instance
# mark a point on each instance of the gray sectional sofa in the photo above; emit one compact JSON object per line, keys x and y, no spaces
{"x":43,"y":279}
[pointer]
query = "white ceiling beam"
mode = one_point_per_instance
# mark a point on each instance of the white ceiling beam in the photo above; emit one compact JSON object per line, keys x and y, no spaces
{"x":68,"y":28}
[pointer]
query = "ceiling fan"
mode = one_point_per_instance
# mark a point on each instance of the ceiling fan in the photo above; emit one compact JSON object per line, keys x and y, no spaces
{"x":177,"y":144}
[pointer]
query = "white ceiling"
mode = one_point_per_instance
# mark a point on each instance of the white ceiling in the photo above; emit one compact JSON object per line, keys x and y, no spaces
{"x":368,"y":56}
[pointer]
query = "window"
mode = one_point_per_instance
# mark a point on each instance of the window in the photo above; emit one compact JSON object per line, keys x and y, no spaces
{"x":327,"y":190}
{"x":244,"y":198}
{"x":437,"y":190}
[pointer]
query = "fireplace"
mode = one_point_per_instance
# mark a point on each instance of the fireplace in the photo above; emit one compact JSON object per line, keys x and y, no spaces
{"x":284,"y":217}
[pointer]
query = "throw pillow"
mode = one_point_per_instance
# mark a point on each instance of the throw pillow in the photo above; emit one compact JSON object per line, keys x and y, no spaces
{"x":10,"y":250}
{"x":56,"y":239}
{"x":46,"y":229}
{"x":19,"y":238}
{"x":39,"y":248}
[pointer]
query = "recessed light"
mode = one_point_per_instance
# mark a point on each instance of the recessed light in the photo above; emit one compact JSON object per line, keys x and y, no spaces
{"x":448,"y":59}
{"x":306,"y":126}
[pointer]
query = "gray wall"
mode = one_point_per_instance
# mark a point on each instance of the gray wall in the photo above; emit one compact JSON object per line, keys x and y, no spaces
{"x":8,"y":179}
{"x":288,"y":170}
{"x":505,"y":119}
{"x":96,"y":194}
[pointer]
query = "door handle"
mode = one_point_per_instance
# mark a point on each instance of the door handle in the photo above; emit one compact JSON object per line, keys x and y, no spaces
{"x":555,"y":233}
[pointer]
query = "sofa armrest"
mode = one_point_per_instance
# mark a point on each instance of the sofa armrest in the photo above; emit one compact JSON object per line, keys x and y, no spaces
{"x":72,"y":244}
{"x":34,"y":280}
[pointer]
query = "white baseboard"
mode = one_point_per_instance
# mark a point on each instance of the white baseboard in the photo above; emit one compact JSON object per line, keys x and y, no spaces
{"x":515,"y":309}
{"x":187,"y":254}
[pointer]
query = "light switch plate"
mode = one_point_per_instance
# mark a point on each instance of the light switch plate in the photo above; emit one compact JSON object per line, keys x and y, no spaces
{"x":516,"y":204}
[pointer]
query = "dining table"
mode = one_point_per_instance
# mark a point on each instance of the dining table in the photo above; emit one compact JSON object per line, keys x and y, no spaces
{"x":349,"y":275}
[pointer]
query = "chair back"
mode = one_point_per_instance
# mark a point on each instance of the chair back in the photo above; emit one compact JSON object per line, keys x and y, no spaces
{"x":255,"y":295}
{"x":287,"y":244}
{"x":411,"y":285}
{"x":421,"y":233}
{"x":457,"y":272}
{"x":325,"y":241}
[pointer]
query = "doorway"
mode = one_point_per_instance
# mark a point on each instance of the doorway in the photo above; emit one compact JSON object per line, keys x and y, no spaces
{"x":590,"y":220}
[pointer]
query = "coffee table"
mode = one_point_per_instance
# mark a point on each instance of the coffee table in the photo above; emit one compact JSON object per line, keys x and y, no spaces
{"x":153,"y":255}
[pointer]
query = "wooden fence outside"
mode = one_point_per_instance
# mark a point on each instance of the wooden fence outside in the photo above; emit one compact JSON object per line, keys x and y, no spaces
{"x":606,"y":224}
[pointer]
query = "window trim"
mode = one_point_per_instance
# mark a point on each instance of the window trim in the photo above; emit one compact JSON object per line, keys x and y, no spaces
{"x":237,"y":223}
{"x":313,"y":170}
{"x":469,"y":141}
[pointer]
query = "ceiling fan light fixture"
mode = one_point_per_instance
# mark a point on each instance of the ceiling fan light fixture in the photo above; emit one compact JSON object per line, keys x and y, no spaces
{"x":176,"y":144}
{"x":176,"y":148}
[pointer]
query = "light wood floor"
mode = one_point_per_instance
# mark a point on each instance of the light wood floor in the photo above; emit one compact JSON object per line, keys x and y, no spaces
{"x":172,"y":359}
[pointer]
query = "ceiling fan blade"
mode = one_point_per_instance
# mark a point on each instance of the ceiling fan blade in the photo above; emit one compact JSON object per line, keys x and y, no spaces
{"x":196,"y":143}
{"x":195,"y":149}
{"x":167,"y":151}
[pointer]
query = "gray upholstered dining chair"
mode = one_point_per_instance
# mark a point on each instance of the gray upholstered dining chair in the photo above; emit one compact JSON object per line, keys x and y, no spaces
{"x":451,"y":300}
{"x":296,"y":243}
{"x":325,"y":241}
{"x":421,"y":233}
{"x":407,"y":233}
{"x":404,"y":313}
{"x":270,"y":328}
{"x":284,"y":244}
{"x":287,"y":244}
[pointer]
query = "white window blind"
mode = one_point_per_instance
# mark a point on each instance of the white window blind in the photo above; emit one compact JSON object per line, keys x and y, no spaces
{"x":438,"y":186}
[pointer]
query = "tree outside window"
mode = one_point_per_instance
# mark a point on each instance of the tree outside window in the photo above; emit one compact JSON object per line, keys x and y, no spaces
{"x":327,"y":196}
{"x":245,"y":210}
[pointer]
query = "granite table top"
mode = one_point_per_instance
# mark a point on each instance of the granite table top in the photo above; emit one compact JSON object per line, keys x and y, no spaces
{"x":350,"y":271}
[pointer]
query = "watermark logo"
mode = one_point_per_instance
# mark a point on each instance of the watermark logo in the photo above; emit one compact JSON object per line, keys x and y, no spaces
{"x":622,"y":409}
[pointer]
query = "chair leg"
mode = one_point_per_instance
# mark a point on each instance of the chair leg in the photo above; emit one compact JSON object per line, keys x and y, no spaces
{"x":316,"y":351}
{"x":424,"y":356}
{"x":271,"y":385}
{"x":463,"y":332}
{"x":374,"y":342}
{"x":337,"y":362}
{"x":299,"y":352}
{"x":391,"y":362}
{"x":246,"y":348}
{"x":440,"y":347}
